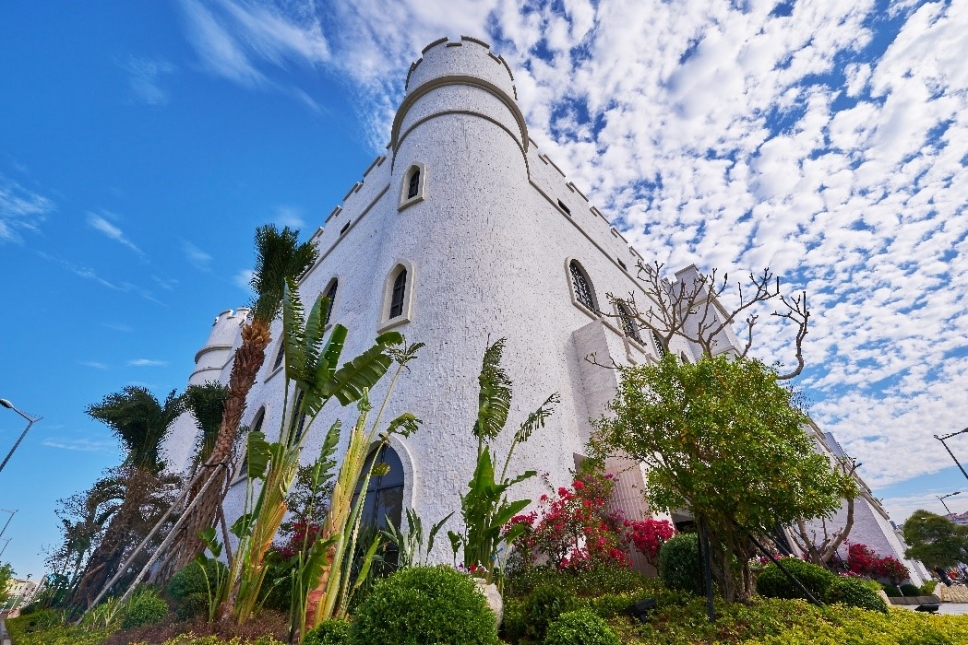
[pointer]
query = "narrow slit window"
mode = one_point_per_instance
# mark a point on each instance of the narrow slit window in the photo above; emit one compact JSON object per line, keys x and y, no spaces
{"x":396,"y":296}
{"x":281,"y":354}
{"x":413,"y":187}
{"x":660,"y":349}
{"x":331,"y":296}
{"x":345,"y":228}
{"x":562,"y":206}
{"x":582,"y":286}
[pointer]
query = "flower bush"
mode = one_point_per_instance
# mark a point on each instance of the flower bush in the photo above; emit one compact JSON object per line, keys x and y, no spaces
{"x":649,"y":535}
{"x":861,"y":560}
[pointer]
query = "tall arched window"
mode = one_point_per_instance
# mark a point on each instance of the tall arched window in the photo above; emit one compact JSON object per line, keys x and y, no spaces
{"x":660,"y":349}
{"x":582,"y":286}
{"x":384,"y":494}
{"x":276,"y":364}
{"x":628,"y":322}
{"x":413,"y":186}
{"x":397,"y":294}
{"x":331,"y":296}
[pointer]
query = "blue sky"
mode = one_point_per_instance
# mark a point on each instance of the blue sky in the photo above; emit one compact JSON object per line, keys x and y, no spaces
{"x":142,"y":143}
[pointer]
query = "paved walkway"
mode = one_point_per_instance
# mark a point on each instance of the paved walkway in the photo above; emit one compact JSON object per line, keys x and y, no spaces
{"x":950,"y":608}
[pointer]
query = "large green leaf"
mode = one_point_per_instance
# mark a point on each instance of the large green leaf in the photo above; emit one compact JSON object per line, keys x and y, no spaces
{"x":293,"y":333}
{"x":257,"y":455}
{"x":360,"y":374}
{"x":494,"y":399}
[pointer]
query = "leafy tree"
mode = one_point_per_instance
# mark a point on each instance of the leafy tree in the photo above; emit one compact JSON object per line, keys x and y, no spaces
{"x":207,"y":404}
{"x":935,"y":540}
{"x":141,"y":422}
{"x":279,"y":256}
{"x":721,"y":438}
{"x":6,"y":575}
{"x":818,"y":549}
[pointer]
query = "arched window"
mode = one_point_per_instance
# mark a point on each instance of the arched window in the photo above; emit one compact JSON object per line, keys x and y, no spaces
{"x":628,"y":322}
{"x":660,"y":349}
{"x":331,"y":296}
{"x":397,"y":294}
{"x":413,"y":186}
{"x":384,"y":494}
{"x":276,"y":364}
{"x":582,"y":286}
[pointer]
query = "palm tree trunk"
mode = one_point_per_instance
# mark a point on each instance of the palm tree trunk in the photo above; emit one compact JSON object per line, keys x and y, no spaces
{"x":249,"y":358}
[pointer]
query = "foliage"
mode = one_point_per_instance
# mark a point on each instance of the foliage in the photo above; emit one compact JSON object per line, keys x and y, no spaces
{"x":329,"y":632}
{"x":6,"y":575}
{"x":420,"y":605}
{"x":144,"y":608}
{"x":680,"y":566}
{"x":543,"y":606}
{"x":410,"y":546}
{"x":207,"y":404}
{"x":935,"y":540}
{"x":821,"y":549}
{"x":279,"y":258}
{"x":572,"y":528}
{"x":721,"y":438}
{"x":892,"y":591}
{"x":47,"y":627}
{"x":592,"y":582}
{"x":928,"y":588}
{"x":861,"y":560}
{"x":855,"y":593}
{"x":648,"y":536}
{"x":485,"y":508}
{"x":582,"y":627}
{"x":190,"y":588}
{"x":911,"y":590}
{"x":773,"y":583}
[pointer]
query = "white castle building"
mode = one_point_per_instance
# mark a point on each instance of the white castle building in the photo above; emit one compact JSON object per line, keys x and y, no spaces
{"x":463,"y":233}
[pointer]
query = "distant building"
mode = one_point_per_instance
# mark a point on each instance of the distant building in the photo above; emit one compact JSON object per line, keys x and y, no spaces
{"x":463,"y":232}
{"x":959,"y":518}
{"x":20,"y":593}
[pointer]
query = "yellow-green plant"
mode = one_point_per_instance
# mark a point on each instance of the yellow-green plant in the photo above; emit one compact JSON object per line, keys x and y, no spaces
{"x":330,"y":566}
{"x":312,"y":379}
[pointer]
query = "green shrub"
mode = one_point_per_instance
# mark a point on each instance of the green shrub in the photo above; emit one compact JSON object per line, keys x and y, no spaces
{"x":910,"y":590}
{"x":928,"y":587}
{"x":187,"y":589}
{"x":329,"y":632}
{"x":421,"y":605}
{"x":679,"y":564}
{"x":543,"y":606}
{"x":582,"y":627}
{"x":144,"y":608}
{"x":773,"y":583}
{"x":589,"y":583}
{"x":855,"y":593}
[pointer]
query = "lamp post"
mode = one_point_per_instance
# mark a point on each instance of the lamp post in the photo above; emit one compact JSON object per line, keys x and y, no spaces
{"x":4,"y":529}
{"x":30,"y":421}
{"x":948,"y":436}
{"x":944,"y":497}
{"x":6,"y":541}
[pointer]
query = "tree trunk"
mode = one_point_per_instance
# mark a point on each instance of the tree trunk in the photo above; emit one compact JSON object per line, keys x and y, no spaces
{"x":249,"y":358}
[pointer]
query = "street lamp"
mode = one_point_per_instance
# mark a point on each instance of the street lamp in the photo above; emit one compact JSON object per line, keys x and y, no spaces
{"x":948,"y":436}
{"x":30,"y":421}
{"x":944,"y":497}
{"x":6,"y":541}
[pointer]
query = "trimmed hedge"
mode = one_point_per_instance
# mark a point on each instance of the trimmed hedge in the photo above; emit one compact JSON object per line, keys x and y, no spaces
{"x":680,"y":566}
{"x":144,"y":608}
{"x":422,"y":605}
{"x":855,"y":593}
{"x":329,"y":632}
{"x":773,"y":583}
{"x":543,"y":606}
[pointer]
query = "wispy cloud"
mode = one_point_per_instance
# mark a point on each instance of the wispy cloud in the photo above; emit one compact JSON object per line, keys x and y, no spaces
{"x":20,"y":210}
{"x":116,"y":326}
{"x":81,"y":445}
{"x":289,"y":216}
{"x":145,"y":76}
{"x":243,"y":278}
{"x":168,"y":284}
{"x":197,"y":257}
{"x":146,"y":362}
{"x":90,"y":274}
{"x":95,"y":364}
{"x":240,"y":40}
{"x":102,"y":225}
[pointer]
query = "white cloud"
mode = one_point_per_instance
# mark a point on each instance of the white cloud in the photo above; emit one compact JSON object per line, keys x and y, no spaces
{"x":196,"y":257}
{"x":95,"y":364}
{"x":243,"y":278}
{"x":146,"y":362}
{"x":289,"y":216}
{"x":119,"y":327}
{"x":20,"y":210}
{"x":145,"y":79}
{"x":830,"y":144}
{"x":101,"y":224}
{"x":81,"y":445}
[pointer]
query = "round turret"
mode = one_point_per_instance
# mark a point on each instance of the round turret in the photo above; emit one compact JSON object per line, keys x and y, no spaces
{"x":217,"y":350}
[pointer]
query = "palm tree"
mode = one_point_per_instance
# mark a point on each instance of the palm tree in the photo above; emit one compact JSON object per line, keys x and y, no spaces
{"x":207,"y":404}
{"x":278,"y":256}
{"x":141,"y":423}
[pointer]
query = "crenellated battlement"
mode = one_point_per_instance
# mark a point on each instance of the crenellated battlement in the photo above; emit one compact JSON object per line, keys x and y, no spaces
{"x":477,"y":48}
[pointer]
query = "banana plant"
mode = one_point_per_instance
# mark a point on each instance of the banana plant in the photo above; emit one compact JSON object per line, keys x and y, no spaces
{"x":410,"y":545}
{"x":485,"y":508}
{"x":313,"y":378}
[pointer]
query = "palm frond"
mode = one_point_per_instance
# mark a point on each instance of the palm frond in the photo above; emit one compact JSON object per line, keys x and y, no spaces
{"x":279,"y":255}
{"x":537,"y":418}
{"x":494,"y":400}
{"x":139,"y":421}
{"x":207,"y":404}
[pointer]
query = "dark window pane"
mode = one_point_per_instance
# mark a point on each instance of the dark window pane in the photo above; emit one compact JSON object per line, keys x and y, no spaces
{"x":396,"y":297}
{"x":384,"y":495}
{"x":414,"y":186}
{"x":628,"y":323}
{"x":331,"y":296}
{"x":279,"y":356}
{"x":659,"y":347}
{"x":583,"y":290}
